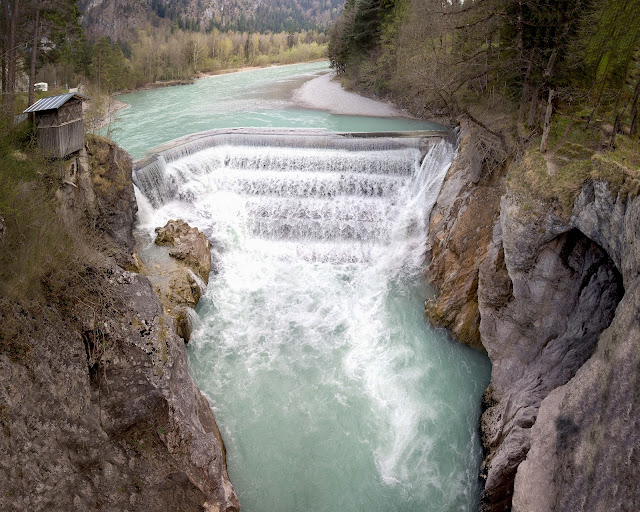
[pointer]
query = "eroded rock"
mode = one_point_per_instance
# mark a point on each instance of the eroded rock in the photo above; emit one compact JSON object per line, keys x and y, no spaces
{"x":585,"y":445}
{"x":188,"y":245}
{"x":538,"y":331}
{"x":178,"y":277}
{"x":460,"y":230}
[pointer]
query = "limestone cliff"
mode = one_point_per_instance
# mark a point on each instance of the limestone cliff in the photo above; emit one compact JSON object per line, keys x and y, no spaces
{"x":460,"y":230}
{"x":585,"y":445}
{"x":551,"y":292}
{"x":97,"y":408}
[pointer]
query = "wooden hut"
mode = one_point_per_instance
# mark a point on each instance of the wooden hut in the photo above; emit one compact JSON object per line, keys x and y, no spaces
{"x":59,"y":123}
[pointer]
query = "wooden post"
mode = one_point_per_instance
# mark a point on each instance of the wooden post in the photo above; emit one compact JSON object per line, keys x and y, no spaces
{"x":547,"y":122}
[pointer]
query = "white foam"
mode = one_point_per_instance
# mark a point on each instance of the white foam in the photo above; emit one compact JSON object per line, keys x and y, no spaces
{"x":306,"y":279}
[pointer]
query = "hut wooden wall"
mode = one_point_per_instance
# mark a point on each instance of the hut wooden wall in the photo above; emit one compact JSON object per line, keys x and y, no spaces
{"x":70,"y":111}
{"x":60,"y":141}
{"x":46,"y":119}
{"x":61,"y":132}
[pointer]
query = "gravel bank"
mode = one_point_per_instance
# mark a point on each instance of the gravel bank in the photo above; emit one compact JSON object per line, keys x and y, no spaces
{"x":324,"y":93}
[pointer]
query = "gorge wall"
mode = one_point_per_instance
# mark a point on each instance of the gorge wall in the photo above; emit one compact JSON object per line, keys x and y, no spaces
{"x":97,"y":408}
{"x":553,"y":298}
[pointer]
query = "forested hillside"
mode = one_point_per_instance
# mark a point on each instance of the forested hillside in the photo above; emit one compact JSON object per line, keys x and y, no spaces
{"x":46,"y":41}
{"x":478,"y":57}
{"x":119,"y":19}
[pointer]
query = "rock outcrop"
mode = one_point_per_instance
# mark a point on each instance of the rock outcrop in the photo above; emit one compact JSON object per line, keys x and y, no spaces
{"x":551,"y":296}
{"x":460,"y":230}
{"x":546,"y":292}
{"x":188,"y":245}
{"x":180,"y":278}
{"x":97,"y":408}
{"x":585,"y":444}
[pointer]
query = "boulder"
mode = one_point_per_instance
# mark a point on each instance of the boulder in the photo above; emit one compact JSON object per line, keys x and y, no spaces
{"x":188,"y":245}
{"x":180,"y":275}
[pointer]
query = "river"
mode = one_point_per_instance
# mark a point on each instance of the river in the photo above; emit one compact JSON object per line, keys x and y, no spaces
{"x":331,"y":389}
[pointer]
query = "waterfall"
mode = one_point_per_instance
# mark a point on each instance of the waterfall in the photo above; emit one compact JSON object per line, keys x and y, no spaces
{"x":332,"y":391}
{"x":325,"y":198}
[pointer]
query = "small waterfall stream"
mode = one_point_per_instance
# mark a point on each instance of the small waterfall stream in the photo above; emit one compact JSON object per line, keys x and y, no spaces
{"x":331,"y":389}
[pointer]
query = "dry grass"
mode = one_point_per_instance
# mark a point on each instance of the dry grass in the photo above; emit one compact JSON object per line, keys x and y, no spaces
{"x":36,"y":243}
{"x":576,"y":159}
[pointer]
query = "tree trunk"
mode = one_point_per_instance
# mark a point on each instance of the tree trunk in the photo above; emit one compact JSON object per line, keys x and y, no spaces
{"x":526,"y":89}
{"x":520,"y":31}
{"x":4,"y":30}
{"x":11,"y":58}
{"x":34,"y":55}
{"x":616,"y":122}
{"x":523,"y":101}
{"x":547,"y":122}
{"x":444,"y":30}
{"x":614,"y":132}
{"x":533,"y":107}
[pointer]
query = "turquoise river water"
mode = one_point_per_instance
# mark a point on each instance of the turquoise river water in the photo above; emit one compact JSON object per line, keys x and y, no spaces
{"x":331,"y":389}
{"x":259,"y":98}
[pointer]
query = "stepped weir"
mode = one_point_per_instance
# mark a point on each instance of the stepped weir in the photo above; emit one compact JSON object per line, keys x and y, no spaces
{"x":332,"y":391}
{"x":325,"y":189}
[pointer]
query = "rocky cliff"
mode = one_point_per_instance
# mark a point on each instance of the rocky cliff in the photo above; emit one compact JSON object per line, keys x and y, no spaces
{"x":551,"y":292}
{"x":97,"y":408}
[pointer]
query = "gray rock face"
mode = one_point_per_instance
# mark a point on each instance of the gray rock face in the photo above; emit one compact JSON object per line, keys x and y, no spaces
{"x":538,"y":331}
{"x":108,"y":196}
{"x":557,"y":305}
{"x":101,"y":411}
{"x":585,"y":445}
{"x":97,"y":408}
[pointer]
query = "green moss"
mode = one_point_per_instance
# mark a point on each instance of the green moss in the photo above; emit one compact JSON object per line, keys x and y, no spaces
{"x":627,"y":153}
{"x":572,"y":151}
{"x":579,"y":133}
{"x":558,"y":129}
{"x":532,"y":182}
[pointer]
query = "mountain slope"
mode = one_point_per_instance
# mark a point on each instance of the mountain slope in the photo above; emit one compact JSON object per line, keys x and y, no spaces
{"x":118,"y":19}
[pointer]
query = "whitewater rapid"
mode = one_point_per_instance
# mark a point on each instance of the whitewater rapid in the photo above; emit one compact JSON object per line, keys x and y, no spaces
{"x":332,"y":391}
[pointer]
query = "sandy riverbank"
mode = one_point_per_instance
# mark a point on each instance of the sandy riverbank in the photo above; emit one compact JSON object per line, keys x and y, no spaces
{"x":326,"y":93}
{"x":106,"y":114}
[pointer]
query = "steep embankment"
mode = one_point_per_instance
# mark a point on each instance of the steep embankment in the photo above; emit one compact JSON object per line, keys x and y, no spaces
{"x":547,"y":279}
{"x":97,"y":408}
